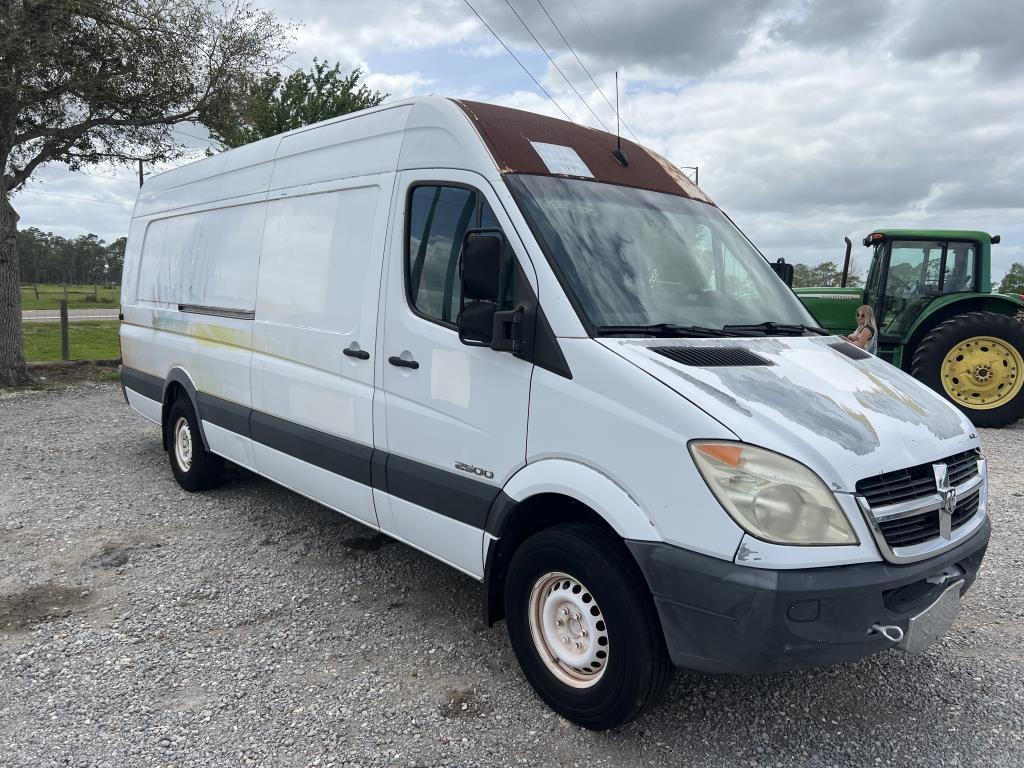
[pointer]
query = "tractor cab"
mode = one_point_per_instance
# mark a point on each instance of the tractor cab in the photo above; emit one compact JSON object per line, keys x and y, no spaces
{"x":937,"y":317}
{"x":911,"y":270}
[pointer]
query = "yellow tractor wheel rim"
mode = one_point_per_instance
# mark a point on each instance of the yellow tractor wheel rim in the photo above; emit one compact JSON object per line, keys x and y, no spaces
{"x":982,"y":372}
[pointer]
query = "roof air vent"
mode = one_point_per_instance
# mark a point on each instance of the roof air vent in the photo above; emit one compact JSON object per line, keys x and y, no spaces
{"x":708,"y":357}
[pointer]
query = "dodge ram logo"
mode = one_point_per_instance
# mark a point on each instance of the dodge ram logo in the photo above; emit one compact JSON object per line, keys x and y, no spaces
{"x":947,"y":505}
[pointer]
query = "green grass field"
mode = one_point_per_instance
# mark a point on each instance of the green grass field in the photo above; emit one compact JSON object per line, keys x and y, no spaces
{"x":79,"y":297}
{"x":89,"y":340}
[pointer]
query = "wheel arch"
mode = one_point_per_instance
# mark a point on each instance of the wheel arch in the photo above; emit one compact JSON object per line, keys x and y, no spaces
{"x":177,"y":382}
{"x":943,"y":310}
{"x":547,"y":493}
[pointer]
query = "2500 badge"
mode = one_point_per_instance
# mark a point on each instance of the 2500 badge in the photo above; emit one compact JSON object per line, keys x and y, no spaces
{"x":474,"y":470}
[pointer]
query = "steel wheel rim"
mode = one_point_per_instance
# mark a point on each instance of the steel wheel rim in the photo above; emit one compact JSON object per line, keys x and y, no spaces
{"x":183,"y":444}
{"x":982,"y":372}
{"x":568,"y":630}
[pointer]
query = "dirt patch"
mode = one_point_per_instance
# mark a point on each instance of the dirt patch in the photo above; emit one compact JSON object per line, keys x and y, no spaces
{"x":58,"y":376}
{"x":40,"y":603}
{"x":463,"y":702}
{"x":111,"y":555}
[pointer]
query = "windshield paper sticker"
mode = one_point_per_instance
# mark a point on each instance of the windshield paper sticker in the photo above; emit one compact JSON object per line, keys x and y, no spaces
{"x":561,"y":160}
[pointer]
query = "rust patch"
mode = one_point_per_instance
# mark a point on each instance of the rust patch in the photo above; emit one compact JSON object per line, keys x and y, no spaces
{"x":508,"y":133}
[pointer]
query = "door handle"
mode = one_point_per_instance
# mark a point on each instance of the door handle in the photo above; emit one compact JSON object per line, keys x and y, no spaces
{"x":359,"y":354}
{"x":401,"y":362}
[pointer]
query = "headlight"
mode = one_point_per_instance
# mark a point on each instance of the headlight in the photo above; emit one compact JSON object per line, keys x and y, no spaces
{"x":770,"y":496}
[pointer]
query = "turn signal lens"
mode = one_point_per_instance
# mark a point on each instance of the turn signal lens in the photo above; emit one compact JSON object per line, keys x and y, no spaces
{"x":771,"y":496}
{"x":727,"y":453}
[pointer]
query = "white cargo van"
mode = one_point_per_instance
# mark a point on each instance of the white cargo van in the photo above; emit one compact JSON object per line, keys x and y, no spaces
{"x":562,"y":372}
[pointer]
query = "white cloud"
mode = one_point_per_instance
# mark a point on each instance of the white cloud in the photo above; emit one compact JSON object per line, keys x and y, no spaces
{"x":809,"y":119}
{"x":400,"y":86}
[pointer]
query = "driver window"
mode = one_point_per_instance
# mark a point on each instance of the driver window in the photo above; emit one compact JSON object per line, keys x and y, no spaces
{"x":439,"y":217}
{"x":914,"y":271}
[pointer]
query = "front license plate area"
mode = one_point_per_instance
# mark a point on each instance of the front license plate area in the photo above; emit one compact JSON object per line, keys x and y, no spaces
{"x":933,"y":622}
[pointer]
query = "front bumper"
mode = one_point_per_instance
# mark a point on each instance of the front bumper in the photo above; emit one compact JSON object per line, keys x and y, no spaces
{"x":725,"y":618}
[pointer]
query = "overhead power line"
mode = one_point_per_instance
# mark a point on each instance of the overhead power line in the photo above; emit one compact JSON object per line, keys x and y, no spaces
{"x":207,"y":139}
{"x":603,"y":53}
{"x":584,"y":68}
{"x":536,"y":82}
{"x":93,"y":174}
{"x":76,"y":197}
{"x":567,"y":80}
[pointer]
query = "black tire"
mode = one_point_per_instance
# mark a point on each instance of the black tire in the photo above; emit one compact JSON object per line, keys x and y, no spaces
{"x":637,"y":669}
{"x":932,"y":351}
{"x":204,"y":469}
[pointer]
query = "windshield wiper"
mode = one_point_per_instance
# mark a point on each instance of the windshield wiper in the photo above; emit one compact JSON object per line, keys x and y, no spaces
{"x":664,"y":330}
{"x":782,"y":329}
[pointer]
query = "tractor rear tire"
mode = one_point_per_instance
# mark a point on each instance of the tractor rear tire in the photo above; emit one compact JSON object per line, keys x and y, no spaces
{"x":976,"y":361}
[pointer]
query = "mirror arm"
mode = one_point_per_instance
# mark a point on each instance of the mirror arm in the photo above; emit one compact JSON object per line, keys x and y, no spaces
{"x":508,"y":330}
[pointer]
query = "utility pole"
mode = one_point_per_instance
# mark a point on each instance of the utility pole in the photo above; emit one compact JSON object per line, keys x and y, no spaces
{"x":696,"y":172}
{"x":140,"y":171}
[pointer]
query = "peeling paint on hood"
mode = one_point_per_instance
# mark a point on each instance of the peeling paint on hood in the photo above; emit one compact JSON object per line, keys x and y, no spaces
{"x":846,"y":419}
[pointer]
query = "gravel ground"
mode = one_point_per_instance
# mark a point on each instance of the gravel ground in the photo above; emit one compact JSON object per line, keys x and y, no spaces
{"x":140,"y":625}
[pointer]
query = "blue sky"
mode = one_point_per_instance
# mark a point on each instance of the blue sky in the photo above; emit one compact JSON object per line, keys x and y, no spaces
{"x":809,"y":119}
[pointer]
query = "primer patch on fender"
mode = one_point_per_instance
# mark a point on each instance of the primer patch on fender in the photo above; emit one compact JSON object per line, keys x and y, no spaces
{"x":563,"y":161}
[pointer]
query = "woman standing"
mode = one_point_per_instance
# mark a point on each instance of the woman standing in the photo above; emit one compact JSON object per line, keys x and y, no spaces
{"x":866,"y":335}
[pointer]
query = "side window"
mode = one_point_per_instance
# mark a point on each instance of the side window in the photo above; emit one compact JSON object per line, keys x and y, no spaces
{"x":959,"y":274}
{"x":439,"y":217}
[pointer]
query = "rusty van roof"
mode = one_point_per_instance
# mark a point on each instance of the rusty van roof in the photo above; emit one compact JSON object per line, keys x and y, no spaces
{"x":509,"y":132}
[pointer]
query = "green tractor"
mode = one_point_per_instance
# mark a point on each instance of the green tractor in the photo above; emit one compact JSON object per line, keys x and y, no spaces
{"x":937,"y":317}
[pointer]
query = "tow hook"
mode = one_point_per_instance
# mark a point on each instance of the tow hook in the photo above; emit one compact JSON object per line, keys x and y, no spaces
{"x":890,"y":632}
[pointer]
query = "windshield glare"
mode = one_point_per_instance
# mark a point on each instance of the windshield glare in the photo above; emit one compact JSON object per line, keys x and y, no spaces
{"x":635,"y":257}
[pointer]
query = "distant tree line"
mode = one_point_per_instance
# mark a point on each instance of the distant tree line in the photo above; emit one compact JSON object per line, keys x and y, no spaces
{"x":824,"y":275}
{"x":44,"y":257}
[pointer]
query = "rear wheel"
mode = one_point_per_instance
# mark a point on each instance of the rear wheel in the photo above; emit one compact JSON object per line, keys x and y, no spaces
{"x":584,"y":627}
{"x":976,"y":360}
{"x":195,"y":468}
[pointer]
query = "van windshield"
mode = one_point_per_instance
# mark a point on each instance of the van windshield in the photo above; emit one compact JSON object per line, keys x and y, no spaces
{"x":634,"y":258}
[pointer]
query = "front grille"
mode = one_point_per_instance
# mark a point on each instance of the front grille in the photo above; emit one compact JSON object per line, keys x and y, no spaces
{"x":907,"y":531}
{"x":915,"y":482}
{"x":962,"y":467}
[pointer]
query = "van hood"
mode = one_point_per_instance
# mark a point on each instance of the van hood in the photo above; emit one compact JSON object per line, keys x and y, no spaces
{"x":847,"y":419}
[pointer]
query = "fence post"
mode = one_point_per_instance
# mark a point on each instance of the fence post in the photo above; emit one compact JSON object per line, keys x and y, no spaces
{"x":64,"y":352}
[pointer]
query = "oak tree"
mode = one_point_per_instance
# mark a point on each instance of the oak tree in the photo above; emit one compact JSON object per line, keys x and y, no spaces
{"x":92,"y":81}
{"x":271,"y":104}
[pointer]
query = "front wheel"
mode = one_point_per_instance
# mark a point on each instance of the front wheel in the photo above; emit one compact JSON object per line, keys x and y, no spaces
{"x":584,"y":627}
{"x":976,"y":360}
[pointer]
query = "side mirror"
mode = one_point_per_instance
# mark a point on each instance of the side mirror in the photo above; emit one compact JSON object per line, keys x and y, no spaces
{"x":480,"y":269}
{"x":785,"y":271}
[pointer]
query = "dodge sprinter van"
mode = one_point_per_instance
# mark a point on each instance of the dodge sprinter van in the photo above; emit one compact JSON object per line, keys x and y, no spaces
{"x":562,"y":371}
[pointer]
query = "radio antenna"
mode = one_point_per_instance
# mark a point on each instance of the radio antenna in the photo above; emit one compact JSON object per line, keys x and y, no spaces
{"x":618,"y":154}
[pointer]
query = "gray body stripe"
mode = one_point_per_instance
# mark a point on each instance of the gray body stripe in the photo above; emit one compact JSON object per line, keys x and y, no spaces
{"x":453,"y":495}
{"x":224,"y":413}
{"x":342,"y":457}
{"x":142,"y":383}
{"x":456,"y":496}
